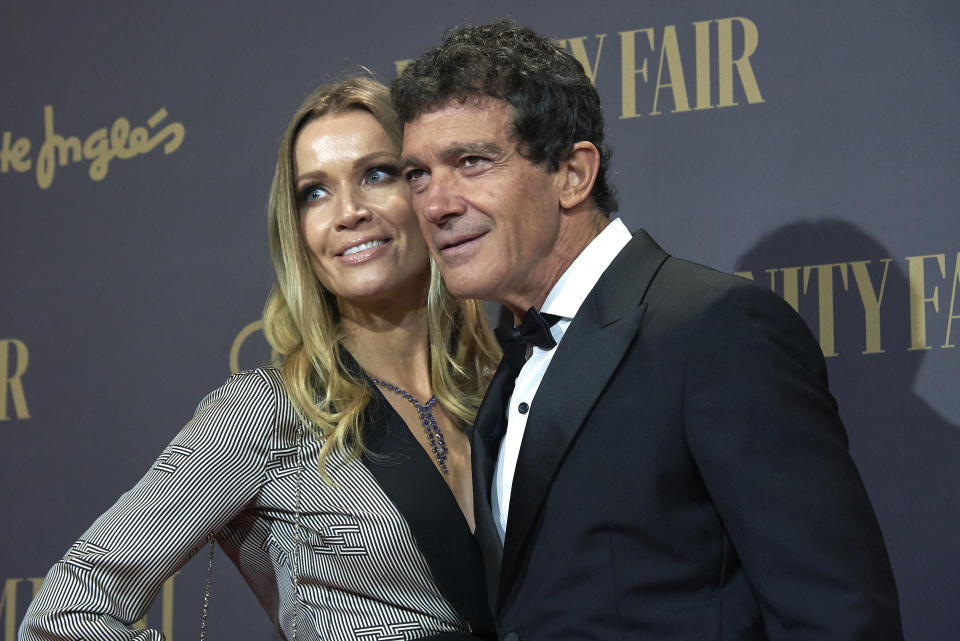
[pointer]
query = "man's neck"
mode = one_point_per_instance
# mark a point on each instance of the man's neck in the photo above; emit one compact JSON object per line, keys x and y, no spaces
{"x":573,"y":238}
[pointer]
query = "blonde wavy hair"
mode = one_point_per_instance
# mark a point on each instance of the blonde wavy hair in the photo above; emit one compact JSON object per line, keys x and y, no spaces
{"x":302,"y":321}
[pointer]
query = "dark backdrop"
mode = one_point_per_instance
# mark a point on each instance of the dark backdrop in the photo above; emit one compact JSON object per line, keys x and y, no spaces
{"x":819,"y":154}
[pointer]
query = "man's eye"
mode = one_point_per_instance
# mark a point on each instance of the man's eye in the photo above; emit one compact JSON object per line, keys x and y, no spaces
{"x":418,"y":179}
{"x":471,"y":161}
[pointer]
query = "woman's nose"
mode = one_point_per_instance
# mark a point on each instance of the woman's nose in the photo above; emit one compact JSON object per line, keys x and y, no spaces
{"x":353,"y":209}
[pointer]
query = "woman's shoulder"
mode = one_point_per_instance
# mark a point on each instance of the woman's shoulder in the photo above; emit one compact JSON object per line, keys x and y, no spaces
{"x":250,"y":411}
{"x":250,"y":395}
{"x":254,"y":386}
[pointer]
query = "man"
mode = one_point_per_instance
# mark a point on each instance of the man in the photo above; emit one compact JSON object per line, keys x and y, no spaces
{"x":675,"y":468}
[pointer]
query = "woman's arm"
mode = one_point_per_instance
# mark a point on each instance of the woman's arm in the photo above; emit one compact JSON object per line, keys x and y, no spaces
{"x":211,"y":470}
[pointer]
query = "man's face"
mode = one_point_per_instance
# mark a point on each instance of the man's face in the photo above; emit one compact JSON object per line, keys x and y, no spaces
{"x":490,"y":216}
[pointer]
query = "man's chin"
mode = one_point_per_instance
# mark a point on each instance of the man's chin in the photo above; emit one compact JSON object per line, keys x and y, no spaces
{"x":463,"y":282}
{"x":471,"y":292}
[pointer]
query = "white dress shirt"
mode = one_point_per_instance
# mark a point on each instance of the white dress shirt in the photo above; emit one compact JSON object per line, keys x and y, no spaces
{"x":564,"y":300}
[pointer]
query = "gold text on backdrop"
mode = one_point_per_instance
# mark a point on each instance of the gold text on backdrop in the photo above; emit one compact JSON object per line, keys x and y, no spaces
{"x":100,"y":147}
{"x":240,"y":339}
{"x":870,"y":278}
{"x":712,"y":51}
{"x":671,"y":61}
{"x":919,"y":299}
{"x":14,"y":359}
{"x":12,"y":588}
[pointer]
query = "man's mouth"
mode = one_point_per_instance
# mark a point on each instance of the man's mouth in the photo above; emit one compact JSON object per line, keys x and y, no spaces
{"x":459,"y":241}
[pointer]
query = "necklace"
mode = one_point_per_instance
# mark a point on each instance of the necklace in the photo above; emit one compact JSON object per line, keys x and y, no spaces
{"x":437,"y":445}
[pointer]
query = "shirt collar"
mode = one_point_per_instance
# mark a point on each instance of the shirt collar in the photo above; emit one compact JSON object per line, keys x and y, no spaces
{"x":578,"y":280}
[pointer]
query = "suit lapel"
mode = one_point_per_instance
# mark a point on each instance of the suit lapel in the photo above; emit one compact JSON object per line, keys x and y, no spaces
{"x":488,"y":428}
{"x":591,"y":349}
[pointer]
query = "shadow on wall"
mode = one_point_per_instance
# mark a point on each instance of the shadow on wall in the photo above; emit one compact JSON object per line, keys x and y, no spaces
{"x":907,"y":453}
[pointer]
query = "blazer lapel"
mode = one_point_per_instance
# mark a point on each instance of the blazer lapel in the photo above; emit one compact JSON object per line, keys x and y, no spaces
{"x":594,"y":344}
{"x":409,"y":477}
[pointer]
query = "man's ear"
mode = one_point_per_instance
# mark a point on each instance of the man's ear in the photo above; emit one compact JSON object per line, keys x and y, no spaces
{"x":578,"y":173}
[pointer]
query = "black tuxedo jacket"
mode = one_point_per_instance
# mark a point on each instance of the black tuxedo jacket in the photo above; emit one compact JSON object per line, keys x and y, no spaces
{"x":684,"y":474}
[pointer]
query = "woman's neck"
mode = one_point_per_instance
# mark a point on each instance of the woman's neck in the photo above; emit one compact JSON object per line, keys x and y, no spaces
{"x":391,"y":344}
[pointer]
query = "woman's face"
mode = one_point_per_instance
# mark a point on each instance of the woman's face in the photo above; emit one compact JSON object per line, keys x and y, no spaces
{"x":363,"y":238}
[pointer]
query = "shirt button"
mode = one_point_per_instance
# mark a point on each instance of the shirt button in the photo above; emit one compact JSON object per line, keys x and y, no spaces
{"x":523,"y":408}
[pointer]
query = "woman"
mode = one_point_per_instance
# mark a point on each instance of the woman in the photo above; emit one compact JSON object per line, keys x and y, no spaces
{"x":338,"y":483}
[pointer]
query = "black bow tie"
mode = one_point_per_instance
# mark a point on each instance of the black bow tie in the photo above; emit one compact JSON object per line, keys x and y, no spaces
{"x":534,"y":330}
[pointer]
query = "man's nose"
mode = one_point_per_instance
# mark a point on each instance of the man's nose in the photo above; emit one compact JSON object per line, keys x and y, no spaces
{"x":440,"y":201}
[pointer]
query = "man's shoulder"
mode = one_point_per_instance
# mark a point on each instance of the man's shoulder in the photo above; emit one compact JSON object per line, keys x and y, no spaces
{"x":677,"y":288}
{"x":702,"y":278}
{"x":705,"y":295}
{"x":682,"y":276}
{"x":686,"y":285}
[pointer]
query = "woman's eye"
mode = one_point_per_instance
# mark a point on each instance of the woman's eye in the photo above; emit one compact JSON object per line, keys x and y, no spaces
{"x":313,"y":192}
{"x":377,"y":175}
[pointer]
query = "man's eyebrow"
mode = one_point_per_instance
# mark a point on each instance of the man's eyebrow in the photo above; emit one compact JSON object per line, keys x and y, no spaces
{"x":410,"y":161}
{"x":459,"y":149}
{"x":472,"y":148}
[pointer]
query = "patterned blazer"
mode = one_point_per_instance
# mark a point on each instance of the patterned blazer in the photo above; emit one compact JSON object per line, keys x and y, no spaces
{"x":384,"y":551}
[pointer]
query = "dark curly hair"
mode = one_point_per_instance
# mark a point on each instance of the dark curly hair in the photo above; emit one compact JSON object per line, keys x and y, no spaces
{"x":554,"y":103}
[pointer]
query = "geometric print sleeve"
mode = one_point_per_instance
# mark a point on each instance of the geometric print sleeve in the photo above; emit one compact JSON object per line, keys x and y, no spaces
{"x":205,"y":477}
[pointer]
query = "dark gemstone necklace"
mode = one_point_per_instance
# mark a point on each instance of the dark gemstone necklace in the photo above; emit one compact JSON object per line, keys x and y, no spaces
{"x":437,"y":445}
